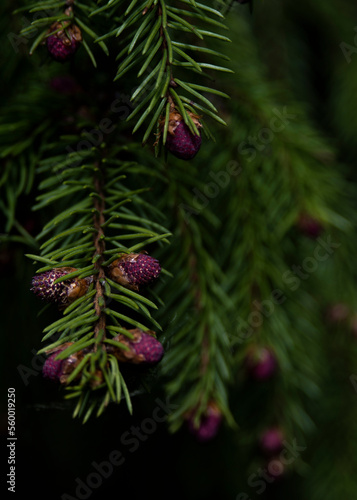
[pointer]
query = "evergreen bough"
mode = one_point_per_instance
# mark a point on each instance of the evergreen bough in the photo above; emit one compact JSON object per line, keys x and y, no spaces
{"x":100,"y":195}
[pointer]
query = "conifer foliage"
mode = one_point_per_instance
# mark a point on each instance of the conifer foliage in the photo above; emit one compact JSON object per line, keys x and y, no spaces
{"x":179,"y":176}
{"x":89,"y":272}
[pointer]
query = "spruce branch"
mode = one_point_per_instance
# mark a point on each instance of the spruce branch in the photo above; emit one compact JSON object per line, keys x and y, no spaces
{"x":198,"y":336}
{"x":149,"y":41}
{"x":61,"y":19}
{"x":95,"y":328}
{"x":236,"y":233}
{"x":149,"y":35}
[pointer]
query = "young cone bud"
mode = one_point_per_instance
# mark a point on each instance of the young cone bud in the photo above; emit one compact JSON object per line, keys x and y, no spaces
{"x":53,"y":368}
{"x":309,"y":226}
{"x":144,"y":348}
{"x":261,"y":363}
{"x":337,"y":313}
{"x":70,"y":363}
{"x":208,"y":425}
{"x":60,"y":369}
{"x":64,"y":43}
{"x":134,"y":270}
{"x":180,"y":141}
{"x":271,"y":441}
{"x":62,"y":293}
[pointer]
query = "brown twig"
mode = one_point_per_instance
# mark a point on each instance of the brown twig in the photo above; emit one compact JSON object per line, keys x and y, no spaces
{"x":99,"y":243}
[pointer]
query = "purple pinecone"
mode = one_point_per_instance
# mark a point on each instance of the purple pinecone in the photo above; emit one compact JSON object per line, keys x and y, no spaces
{"x":180,"y":141}
{"x":52,"y":368}
{"x":183,"y":144}
{"x":135,"y":270}
{"x":261,"y":363}
{"x":64,"y":42}
{"x":144,"y":348}
{"x":149,"y":348}
{"x":309,"y":226}
{"x":208,"y":425}
{"x":62,"y":293}
{"x":271,"y":441}
{"x":337,"y":313}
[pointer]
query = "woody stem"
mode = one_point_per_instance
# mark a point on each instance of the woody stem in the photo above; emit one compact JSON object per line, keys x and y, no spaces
{"x":99,"y":243}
